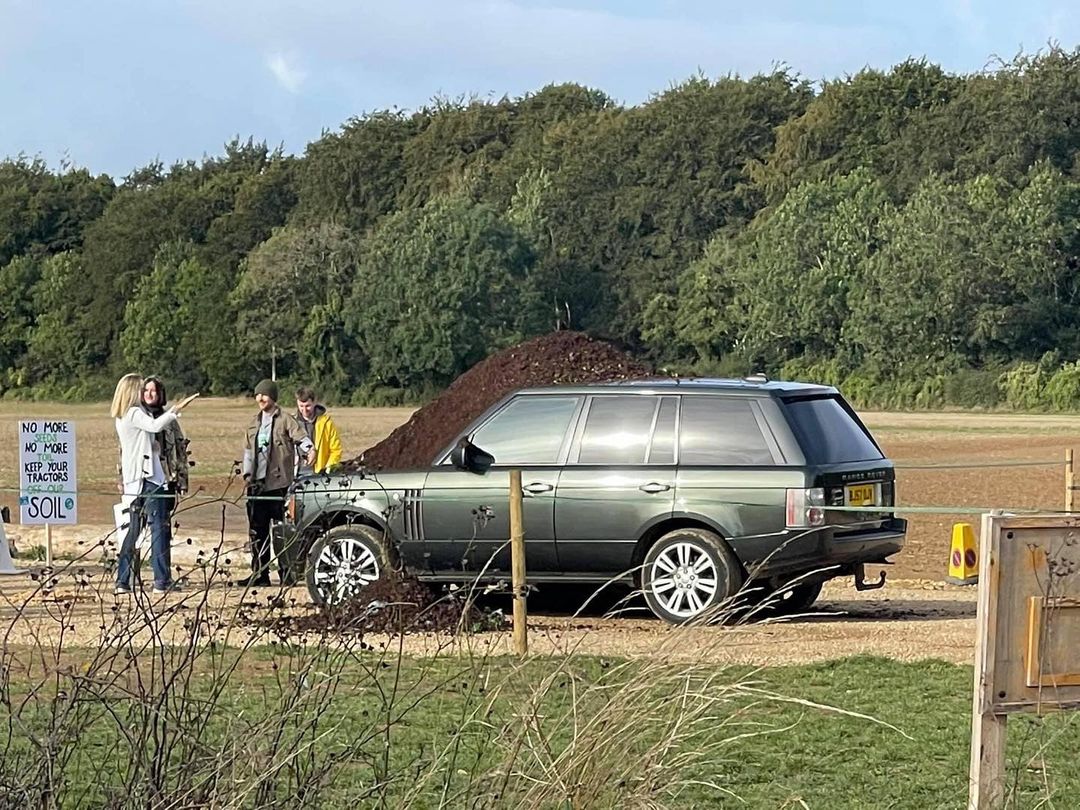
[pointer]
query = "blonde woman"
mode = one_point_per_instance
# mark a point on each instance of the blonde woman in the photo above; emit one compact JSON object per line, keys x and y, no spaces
{"x":143,"y":478}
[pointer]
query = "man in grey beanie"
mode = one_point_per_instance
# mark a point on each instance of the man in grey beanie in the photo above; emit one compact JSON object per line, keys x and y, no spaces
{"x":268,"y":466}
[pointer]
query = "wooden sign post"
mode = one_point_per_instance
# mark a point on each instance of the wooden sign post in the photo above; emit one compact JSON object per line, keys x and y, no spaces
{"x":517,"y":564}
{"x":1027,"y":651}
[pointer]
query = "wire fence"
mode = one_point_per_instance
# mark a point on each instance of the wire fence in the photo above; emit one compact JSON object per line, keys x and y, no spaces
{"x":343,"y":484}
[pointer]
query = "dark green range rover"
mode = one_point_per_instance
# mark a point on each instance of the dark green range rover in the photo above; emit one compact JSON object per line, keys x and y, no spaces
{"x":689,"y":488}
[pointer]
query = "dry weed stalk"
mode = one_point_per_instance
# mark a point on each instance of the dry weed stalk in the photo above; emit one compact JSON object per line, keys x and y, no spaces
{"x":208,"y":700}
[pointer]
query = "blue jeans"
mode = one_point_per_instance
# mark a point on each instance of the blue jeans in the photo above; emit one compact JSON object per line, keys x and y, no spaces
{"x":153,"y":505}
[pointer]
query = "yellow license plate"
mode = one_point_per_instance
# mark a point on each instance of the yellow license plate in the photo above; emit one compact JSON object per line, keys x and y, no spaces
{"x":861,"y":495}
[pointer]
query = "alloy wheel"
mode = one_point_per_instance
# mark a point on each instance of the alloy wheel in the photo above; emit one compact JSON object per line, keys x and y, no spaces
{"x":684,"y":579}
{"x":343,"y":567}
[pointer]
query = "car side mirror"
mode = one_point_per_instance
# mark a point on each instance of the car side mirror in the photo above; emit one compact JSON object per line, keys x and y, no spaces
{"x":468,"y":457}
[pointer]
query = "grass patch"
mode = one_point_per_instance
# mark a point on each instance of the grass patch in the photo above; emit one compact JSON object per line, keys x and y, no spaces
{"x":836,"y":761}
{"x":442,"y":731}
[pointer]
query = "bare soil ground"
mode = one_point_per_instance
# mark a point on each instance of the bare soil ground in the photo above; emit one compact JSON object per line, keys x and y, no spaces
{"x":906,"y":621}
{"x":915,"y":616}
{"x":975,"y":446}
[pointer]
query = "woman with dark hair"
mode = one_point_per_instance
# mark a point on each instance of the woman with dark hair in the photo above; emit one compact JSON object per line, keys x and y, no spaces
{"x":171,"y":440}
{"x":143,"y":479}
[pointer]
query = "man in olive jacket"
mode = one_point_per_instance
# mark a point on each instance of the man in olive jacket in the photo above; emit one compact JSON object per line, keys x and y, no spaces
{"x":269,"y":462}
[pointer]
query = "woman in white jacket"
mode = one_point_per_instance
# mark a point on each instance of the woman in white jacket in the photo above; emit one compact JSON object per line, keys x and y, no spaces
{"x":143,"y":477}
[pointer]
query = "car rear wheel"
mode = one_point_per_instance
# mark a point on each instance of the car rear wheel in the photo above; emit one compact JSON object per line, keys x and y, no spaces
{"x":344,"y":561}
{"x":797,"y":599}
{"x":769,"y":602}
{"x":688,"y":575}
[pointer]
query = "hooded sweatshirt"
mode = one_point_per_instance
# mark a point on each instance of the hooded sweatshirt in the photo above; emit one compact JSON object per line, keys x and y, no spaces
{"x":322,"y":431}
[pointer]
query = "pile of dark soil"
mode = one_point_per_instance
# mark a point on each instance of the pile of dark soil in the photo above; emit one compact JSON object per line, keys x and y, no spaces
{"x":397,"y":604}
{"x":553,"y":359}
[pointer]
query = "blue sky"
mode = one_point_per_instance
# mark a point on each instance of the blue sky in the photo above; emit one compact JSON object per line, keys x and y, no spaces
{"x":114,"y":84}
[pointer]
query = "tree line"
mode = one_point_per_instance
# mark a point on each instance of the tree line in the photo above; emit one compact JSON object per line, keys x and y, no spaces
{"x":911,"y":235}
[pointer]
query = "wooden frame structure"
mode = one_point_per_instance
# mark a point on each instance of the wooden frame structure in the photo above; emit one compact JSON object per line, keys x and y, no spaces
{"x":1027,"y":653}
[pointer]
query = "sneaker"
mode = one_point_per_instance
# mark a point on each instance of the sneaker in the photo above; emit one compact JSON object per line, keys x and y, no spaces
{"x":122,"y":590}
{"x":172,"y":587}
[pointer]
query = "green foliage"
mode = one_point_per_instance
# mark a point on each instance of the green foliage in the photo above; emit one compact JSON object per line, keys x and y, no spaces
{"x":856,"y":123}
{"x":910,"y":234}
{"x":973,"y":388}
{"x":967,"y":274}
{"x":783,"y":287}
{"x":57,"y":352}
{"x":154,"y":207}
{"x":635,"y":194}
{"x":179,"y":324}
{"x":288,"y":302}
{"x":1062,"y":390}
{"x":354,"y":177}
{"x":827,"y":372}
{"x":17,"y":310}
{"x":42,"y":212}
{"x":436,"y":290}
{"x":1022,"y":387}
{"x":915,"y":120}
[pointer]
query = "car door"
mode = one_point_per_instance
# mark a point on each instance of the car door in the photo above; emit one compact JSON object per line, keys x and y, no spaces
{"x":729,"y":474}
{"x":618,"y":480}
{"x":466,"y":516}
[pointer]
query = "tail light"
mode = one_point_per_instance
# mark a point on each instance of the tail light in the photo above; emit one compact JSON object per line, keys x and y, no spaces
{"x":804,"y":508}
{"x":290,"y":508}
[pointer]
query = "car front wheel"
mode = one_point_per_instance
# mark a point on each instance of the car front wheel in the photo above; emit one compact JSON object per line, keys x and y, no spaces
{"x":344,"y":561}
{"x":688,"y":574}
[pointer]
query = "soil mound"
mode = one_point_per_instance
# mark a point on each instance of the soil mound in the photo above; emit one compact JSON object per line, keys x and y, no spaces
{"x":553,"y":359}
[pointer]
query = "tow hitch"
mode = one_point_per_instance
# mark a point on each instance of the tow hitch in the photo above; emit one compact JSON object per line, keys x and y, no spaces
{"x":860,"y":580}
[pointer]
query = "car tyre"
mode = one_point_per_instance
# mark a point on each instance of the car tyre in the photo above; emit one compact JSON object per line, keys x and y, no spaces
{"x":344,"y":561}
{"x":797,"y":599}
{"x":786,"y":600}
{"x":688,"y":575}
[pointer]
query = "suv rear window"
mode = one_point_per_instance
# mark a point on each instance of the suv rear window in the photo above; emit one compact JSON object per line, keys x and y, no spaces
{"x":719,"y":431}
{"x":828,"y":433}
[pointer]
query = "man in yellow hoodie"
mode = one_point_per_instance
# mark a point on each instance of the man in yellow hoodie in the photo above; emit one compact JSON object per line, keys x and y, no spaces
{"x":320,"y":428}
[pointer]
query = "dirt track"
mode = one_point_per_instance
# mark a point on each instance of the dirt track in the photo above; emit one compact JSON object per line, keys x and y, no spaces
{"x":906,"y":620}
{"x":913,"y":617}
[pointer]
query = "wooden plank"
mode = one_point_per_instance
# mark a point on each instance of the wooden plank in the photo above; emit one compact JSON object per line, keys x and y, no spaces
{"x":1042,"y":522}
{"x":986,"y":775}
{"x":1024,"y":707}
{"x":1048,"y":652}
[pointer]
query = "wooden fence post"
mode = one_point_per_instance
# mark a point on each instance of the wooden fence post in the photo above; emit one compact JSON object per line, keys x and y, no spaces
{"x":517,"y":564}
{"x":986,"y":772}
{"x":1068,"y":479}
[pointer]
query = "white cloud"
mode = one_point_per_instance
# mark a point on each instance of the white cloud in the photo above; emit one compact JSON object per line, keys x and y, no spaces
{"x":288,"y":74}
{"x":404,"y":53}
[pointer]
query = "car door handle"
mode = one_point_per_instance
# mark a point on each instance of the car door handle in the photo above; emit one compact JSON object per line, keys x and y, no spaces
{"x":654,"y":486}
{"x":536,"y":488}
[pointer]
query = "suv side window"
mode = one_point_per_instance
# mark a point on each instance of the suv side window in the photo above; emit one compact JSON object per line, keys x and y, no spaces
{"x":617,"y":429}
{"x":528,"y":430}
{"x":720,"y":431}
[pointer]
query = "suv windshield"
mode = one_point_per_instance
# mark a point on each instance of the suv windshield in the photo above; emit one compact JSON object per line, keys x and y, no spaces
{"x":828,"y":433}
